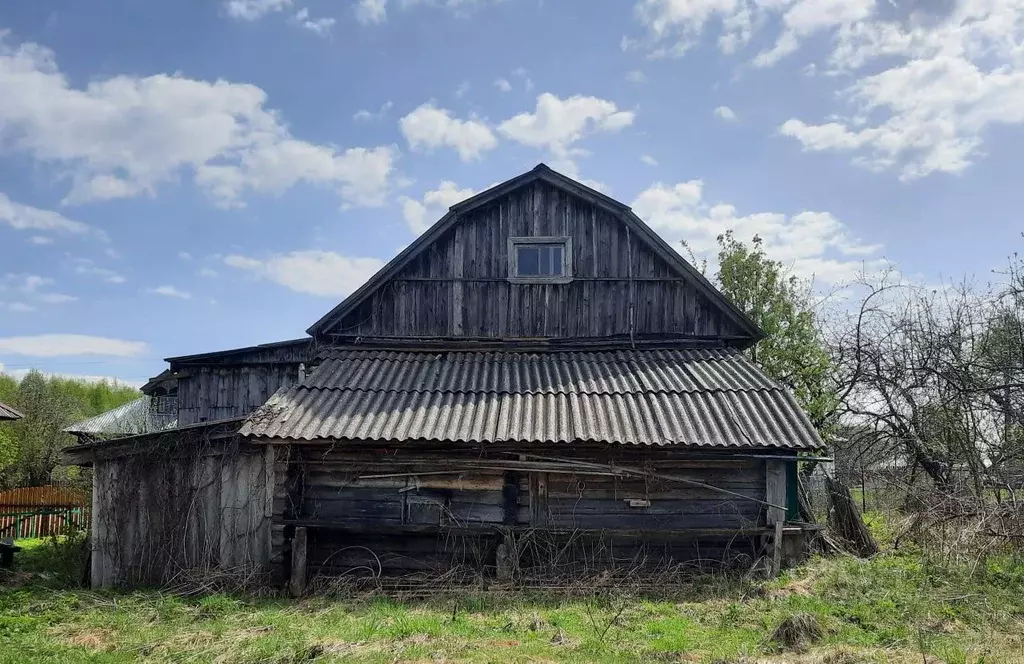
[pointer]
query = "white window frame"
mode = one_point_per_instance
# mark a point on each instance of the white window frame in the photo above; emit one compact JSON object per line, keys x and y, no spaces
{"x":513,"y":259}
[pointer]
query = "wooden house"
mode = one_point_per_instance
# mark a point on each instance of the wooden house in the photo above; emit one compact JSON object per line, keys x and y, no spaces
{"x":538,"y":384}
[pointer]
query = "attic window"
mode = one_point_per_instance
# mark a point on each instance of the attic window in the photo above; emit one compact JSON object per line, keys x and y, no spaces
{"x":540,"y":259}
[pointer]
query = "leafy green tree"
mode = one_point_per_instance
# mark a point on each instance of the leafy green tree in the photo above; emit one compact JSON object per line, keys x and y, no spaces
{"x":792,"y":351}
{"x":30,"y":448}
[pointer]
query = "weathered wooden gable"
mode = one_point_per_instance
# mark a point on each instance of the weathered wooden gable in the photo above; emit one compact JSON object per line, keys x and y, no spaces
{"x":456,"y":285}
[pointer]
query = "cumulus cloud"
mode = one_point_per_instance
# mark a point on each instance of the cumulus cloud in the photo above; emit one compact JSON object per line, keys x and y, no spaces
{"x":929,"y":80}
{"x":58,"y":345}
{"x":315,"y":272}
{"x":421,"y":214}
{"x":815,"y":244}
{"x":318,"y":26}
{"x":27,"y":218}
{"x":429,"y":127}
{"x":557,"y":124}
{"x":503,"y":85}
{"x":88,"y":267}
{"x":649,"y":160}
{"x":251,"y":10}
{"x":364,"y":115}
{"x":371,"y":12}
{"x":171,"y":291}
{"x":124,"y":136}
{"x":725,"y":113}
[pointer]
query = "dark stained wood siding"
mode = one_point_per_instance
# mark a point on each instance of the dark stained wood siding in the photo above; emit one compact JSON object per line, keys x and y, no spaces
{"x":458,"y":287}
{"x":207,"y":394}
{"x":233,"y":384}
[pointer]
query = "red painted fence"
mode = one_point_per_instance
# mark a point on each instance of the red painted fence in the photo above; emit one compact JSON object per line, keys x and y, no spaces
{"x":39,"y":511}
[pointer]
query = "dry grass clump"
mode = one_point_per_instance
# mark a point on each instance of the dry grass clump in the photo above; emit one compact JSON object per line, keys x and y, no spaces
{"x":797,"y":632}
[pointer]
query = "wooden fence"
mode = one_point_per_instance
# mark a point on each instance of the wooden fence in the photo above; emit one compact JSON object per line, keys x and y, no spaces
{"x":39,"y":511}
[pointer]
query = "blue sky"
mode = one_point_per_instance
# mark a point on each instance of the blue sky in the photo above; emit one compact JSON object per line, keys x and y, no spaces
{"x":197,"y":175}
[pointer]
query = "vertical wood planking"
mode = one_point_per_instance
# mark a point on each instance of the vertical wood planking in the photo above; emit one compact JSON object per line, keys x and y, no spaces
{"x":775,"y":490}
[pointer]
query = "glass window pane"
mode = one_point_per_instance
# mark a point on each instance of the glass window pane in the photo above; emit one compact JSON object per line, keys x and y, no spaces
{"x":528,"y":260}
{"x":540,"y":260}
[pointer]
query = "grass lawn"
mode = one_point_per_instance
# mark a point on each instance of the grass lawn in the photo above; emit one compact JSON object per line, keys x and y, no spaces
{"x":894,"y":608}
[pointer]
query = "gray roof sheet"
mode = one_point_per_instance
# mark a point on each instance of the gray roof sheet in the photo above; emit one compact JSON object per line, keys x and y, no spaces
{"x":703,"y":398}
{"x":8,"y":413}
{"x":134,"y":417}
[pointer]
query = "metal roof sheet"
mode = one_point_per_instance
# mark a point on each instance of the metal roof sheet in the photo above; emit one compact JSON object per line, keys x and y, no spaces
{"x":134,"y":417}
{"x":8,"y":413}
{"x":705,"y":398}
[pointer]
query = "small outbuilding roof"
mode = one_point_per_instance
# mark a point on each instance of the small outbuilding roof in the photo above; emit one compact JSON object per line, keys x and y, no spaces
{"x":134,"y":417}
{"x":711,"y":398}
{"x":8,"y":413}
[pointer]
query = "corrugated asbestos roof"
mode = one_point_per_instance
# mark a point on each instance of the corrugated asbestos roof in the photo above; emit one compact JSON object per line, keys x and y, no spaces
{"x":134,"y":417}
{"x":703,"y":398}
{"x":8,"y":413}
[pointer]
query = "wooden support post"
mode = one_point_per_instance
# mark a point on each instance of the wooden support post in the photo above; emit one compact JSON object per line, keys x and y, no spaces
{"x":300,"y":547}
{"x":777,"y":549}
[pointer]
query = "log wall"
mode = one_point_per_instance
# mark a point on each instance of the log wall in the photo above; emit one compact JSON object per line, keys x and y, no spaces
{"x":399,"y":511}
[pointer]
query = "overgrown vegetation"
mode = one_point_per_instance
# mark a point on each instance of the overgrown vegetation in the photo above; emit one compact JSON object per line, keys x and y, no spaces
{"x":30,"y":447}
{"x":897,"y":607}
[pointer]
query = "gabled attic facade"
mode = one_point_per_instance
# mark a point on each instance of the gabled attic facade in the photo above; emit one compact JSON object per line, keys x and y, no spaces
{"x":615,"y":279}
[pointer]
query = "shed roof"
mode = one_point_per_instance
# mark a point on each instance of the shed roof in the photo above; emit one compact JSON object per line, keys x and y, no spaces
{"x":134,"y":417}
{"x":8,"y":413}
{"x":712,"y":398}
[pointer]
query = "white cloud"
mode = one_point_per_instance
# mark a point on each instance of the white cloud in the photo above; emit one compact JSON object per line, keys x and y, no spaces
{"x":929,"y":79}
{"x":649,"y":160}
{"x":556,"y":124}
{"x":364,"y":115}
{"x":207,"y":272}
{"x":421,"y":215}
{"x":636,"y":76}
{"x":26,"y":283}
{"x":371,"y":12}
{"x":27,"y":218}
{"x":87,"y":267}
{"x":56,"y":298}
{"x":171,"y":291}
{"x":316,"y":272}
{"x":40,"y":240}
{"x":674,"y":26}
{"x":184,"y":255}
{"x":429,"y":127}
{"x":319,"y":26}
{"x":805,"y":17}
{"x":57,"y":345}
{"x":725,"y":113}
{"x":461,"y":91}
{"x":503,"y":84}
{"x":935,"y":109}
{"x":124,"y":136}
{"x":17,"y":307}
{"x":814,"y":244}
{"x":250,"y":10}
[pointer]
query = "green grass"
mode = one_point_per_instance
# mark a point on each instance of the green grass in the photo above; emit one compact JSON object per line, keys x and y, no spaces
{"x":894,"y":608}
